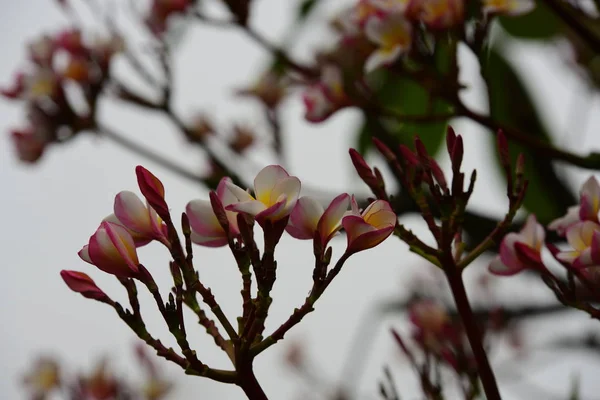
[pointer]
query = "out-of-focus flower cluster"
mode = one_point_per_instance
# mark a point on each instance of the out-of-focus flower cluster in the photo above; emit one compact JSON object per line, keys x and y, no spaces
{"x":60,"y":86}
{"x":377,"y":33}
{"x":580,"y":226}
{"x":47,"y":378}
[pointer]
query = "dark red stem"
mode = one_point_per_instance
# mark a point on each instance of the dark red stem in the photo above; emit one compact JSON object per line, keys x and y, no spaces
{"x":488,"y":380}
{"x":249,"y":384}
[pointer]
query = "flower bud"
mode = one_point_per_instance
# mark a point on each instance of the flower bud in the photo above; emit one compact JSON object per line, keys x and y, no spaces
{"x":112,"y":249}
{"x":154,"y":192}
{"x":82,"y":283}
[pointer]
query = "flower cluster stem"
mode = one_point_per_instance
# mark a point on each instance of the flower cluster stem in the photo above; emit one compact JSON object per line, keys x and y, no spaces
{"x":488,"y":380}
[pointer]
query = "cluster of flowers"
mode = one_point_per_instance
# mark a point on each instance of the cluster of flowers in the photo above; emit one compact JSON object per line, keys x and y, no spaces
{"x":214,"y":223}
{"x":59,"y":66}
{"x":389,"y":27}
{"x":46,"y":378}
{"x":580,"y":226}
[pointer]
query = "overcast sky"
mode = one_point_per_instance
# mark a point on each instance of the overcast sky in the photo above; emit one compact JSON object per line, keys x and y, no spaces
{"x":51,"y":209}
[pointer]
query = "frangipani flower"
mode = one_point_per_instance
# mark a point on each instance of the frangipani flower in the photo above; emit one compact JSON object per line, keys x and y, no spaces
{"x":326,"y":96}
{"x":142,"y":222}
{"x":587,"y":210}
{"x":508,"y":7}
{"x":206,"y":229}
{"x":82,"y":283}
{"x":589,"y":204}
{"x":393,"y":34}
{"x":308,"y":218}
{"x":44,"y":378}
{"x":112,"y":249}
{"x":276,"y":195}
{"x":530,"y":238}
{"x":584,"y":238}
{"x":369,"y":228}
{"x":437,"y":14}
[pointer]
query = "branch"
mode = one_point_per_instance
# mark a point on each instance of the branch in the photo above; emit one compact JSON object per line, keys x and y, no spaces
{"x":150,"y":155}
{"x":591,"y":161}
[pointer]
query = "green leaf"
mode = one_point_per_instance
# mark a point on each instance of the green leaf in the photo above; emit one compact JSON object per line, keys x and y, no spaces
{"x":540,"y":23}
{"x":408,"y":98}
{"x":510,"y":103}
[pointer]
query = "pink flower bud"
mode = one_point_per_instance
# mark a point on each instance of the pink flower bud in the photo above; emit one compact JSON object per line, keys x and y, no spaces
{"x":276,"y":195}
{"x":206,"y":228}
{"x":29,"y":147}
{"x":112,"y":249}
{"x":154,"y":192}
{"x":71,"y":41}
{"x":370,"y":228}
{"x":141,"y":220}
{"x":82,"y":283}
{"x":363,"y":169}
{"x":587,"y":210}
{"x":589,"y":200}
{"x":514,"y":258}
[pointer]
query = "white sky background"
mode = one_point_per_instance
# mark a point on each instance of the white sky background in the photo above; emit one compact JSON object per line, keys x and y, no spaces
{"x":51,"y":209}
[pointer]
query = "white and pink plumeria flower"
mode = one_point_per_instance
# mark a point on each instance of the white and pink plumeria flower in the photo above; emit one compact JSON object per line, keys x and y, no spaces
{"x":587,"y":210}
{"x":325,"y":96}
{"x":309,"y":220}
{"x":276,"y":195}
{"x":112,"y":249}
{"x":530,"y":239}
{"x":437,"y":14}
{"x":584,"y":239}
{"x":369,"y":228}
{"x":508,"y":7}
{"x":206,"y":229}
{"x":392,"y":33}
{"x":142,"y":222}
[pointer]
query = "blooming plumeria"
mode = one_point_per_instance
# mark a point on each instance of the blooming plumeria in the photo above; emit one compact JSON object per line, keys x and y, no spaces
{"x":112,"y":249}
{"x":43,"y":378}
{"x":275,"y":195}
{"x":369,"y":228}
{"x":530,"y":239}
{"x":587,"y":210}
{"x":142,"y":222}
{"x":393,"y":35}
{"x":309,"y":218}
{"x":437,"y":14}
{"x":206,"y":229}
{"x":326,"y":96}
{"x":584,"y":238}
{"x":508,"y":7}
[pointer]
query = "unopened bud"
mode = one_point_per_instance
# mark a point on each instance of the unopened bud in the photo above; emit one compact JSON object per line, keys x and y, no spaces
{"x":154,"y":192}
{"x":83,"y":284}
